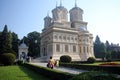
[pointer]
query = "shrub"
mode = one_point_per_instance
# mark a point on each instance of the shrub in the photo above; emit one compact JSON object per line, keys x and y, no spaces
{"x":65,"y":59}
{"x":19,"y":62}
{"x":95,"y":76}
{"x":8,"y":58}
{"x":91,"y":60}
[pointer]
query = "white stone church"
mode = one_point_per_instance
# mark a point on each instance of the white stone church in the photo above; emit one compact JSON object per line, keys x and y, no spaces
{"x":61,"y":36}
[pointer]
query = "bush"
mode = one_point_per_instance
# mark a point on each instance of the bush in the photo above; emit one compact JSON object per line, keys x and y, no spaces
{"x":95,"y":76}
{"x":65,"y":59}
{"x":19,"y":62}
{"x":8,"y":58}
{"x":91,"y":60}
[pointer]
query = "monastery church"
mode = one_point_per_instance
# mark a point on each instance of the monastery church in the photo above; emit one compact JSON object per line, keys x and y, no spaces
{"x":61,"y":36}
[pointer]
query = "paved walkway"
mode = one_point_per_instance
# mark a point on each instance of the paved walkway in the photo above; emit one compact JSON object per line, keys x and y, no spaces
{"x":69,"y":70}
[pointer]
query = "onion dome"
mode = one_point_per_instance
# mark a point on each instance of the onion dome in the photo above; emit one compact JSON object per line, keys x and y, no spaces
{"x":59,"y":14}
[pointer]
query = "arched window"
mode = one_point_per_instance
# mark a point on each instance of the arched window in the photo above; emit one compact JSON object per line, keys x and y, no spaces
{"x":44,"y":51}
{"x":64,"y":37}
{"x":80,"y":50}
{"x":66,"y":48}
{"x":60,"y":37}
{"x":57,"y":47}
{"x":87,"y":49}
{"x":74,"y":48}
{"x":55,"y":36}
{"x":84,"y":49}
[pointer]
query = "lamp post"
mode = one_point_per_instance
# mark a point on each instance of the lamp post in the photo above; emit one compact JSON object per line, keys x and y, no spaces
{"x":34,"y":48}
{"x":35,"y":41}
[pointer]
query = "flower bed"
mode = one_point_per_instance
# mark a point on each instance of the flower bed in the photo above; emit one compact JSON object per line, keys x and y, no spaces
{"x":112,"y":69}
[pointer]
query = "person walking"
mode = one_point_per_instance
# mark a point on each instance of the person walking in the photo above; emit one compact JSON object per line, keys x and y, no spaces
{"x":51,"y":63}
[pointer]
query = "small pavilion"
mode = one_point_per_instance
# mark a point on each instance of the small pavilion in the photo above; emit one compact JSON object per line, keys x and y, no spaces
{"x":23,"y":51}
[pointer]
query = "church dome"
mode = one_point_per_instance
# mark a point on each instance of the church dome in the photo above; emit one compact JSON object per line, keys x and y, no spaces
{"x":47,"y":21}
{"x":62,"y":8}
{"x":76,"y":14}
{"x":47,"y":17}
{"x":60,"y":14}
{"x":76,"y":8}
{"x":23,"y":45}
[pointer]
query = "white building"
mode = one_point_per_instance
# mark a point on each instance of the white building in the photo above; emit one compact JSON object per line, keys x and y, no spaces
{"x":23,"y":51}
{"x":62,"y":37}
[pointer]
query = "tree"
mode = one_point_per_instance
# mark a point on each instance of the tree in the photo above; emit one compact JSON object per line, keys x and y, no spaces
{"x":34,"y":43}
{"x":0,"y":42}
{"x":97,"y":44}
{"x":15,"y":42}
{"x":99,"y":48}
{"x":6,"y":40}
{"x":107,"y":46}
{"x":97,"y":40}
{"x":102,"y":51}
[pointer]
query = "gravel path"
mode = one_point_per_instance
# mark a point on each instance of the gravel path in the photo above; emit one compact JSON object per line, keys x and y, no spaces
{"x":65,"y":69}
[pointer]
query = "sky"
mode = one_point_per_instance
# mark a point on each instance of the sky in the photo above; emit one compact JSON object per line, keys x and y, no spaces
{"x":25,"y":16}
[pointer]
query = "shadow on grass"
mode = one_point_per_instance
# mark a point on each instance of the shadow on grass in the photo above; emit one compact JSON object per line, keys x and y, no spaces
{"x":31,"y":74}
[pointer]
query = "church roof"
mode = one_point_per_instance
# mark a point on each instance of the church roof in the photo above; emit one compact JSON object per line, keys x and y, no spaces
{"x":59,"y":8}
{"x":47,"y":17}
{"x":76,"y":8}
{"x":23,"y":45}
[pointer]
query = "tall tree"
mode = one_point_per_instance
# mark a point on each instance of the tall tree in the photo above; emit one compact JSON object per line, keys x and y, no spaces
{"x":97,"y":40}
{"x":6,"y":40}
{"x":107,"y":44}
{"x":15,"y":42}
{"x":34,"y":43}
{"x":0,"y":42}
{"x":102,"y":51}
{"x":99,"y":48}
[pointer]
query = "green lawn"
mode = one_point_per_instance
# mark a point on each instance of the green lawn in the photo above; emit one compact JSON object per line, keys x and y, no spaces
{"x":19,"y":73}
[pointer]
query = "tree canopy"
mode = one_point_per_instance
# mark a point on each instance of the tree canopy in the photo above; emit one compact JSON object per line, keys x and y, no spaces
{"x":7,"y":40}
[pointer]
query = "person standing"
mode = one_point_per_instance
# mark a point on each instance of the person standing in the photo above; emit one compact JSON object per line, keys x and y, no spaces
{"x":57,"y":63}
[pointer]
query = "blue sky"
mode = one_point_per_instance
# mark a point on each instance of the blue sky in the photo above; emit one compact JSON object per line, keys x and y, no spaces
{"x":24,"y":16}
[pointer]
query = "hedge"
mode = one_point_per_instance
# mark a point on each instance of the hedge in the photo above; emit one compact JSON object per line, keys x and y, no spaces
{"x":50,"y":73}
{"x":111,"y":69}
{"x":96,"y":75}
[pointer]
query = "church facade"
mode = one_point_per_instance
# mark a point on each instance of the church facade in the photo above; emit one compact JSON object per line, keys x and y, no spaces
{"x":61,"y":36}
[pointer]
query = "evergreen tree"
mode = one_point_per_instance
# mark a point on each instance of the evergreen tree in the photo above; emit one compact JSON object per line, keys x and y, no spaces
{"x":0,"y":42}
{"x":102,"y":50}
{"x":9,"y":40}
{"x":99,"y":48}
{"x":15,"y":42}
{"x":97,"y":40}
{"x":6,"y":40}
{"x":107,"y":46}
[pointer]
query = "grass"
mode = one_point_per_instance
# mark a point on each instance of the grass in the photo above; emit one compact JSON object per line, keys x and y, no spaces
{"x":19,"y":73}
